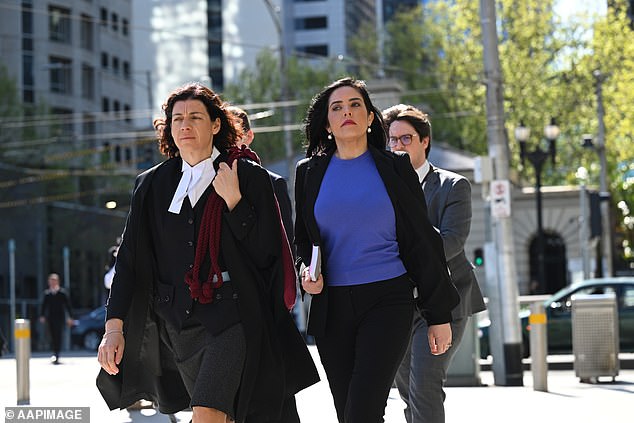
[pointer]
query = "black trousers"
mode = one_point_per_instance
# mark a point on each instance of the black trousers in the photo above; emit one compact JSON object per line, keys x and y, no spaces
{"x":367,"y":334}
{"x":56,"y":328}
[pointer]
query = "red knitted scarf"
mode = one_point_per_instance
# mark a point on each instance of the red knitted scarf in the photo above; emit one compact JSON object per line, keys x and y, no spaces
{"x":209,"y":243}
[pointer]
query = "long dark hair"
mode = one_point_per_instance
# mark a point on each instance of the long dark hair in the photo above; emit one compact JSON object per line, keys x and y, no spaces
{"x":316,"y":120}
{"x":230,"y":127}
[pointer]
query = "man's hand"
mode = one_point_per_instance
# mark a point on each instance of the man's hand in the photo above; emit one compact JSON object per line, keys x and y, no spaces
{"x":439,"y":337}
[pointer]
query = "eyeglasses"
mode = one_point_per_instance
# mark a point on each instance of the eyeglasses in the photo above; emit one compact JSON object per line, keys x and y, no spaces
{"x":405,"y":139}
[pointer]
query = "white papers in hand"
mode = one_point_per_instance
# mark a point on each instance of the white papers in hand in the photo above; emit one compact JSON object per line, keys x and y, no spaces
{"x":315,"y":263}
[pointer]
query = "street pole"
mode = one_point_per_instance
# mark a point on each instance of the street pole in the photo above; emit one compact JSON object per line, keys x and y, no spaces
{"x":274,"y":11}
{"x":584,"y":237}
{"x":606,"y":236}
{"x":541,"y":274}
{"x":150,"y":96}
{"x":506,"y":341}
{"x":66,"y":255}
{"x":12,"y":292}
{"x":583,"y":229}
{"x":537,"y":158}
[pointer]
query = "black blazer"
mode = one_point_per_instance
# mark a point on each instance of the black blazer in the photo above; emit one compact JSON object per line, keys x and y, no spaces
{"x":277,"y":364}
{"x":420,"y":245}
{"x":284,"y":201}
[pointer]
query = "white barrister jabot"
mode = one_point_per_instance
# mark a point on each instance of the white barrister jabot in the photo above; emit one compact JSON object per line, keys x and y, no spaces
{"x":194,"y":182}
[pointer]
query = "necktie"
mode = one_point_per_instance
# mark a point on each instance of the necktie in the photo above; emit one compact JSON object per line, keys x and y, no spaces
{"x":181,"y":190}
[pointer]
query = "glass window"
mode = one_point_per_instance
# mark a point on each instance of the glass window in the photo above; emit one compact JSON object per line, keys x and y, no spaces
{"x":61,"y":75}
{"x":103,"y":13}
{"x":314,"y":50}
{"x":116,"y":106}
{"x":314,"y":22}
{"x":87,"y":81}
{"x":126,"y":70}
{"x":105,"y":104}
{"x":27,"y":17}
{"x":65,"y":117}
{"x":114,"y":22}
{"x":86,"y":32}
{"x":59,"y":27}
{"x":88,"y":125}
{"x":104,"y":60}
{"x":628,"y":297}
{"x":28,"y":95}
{"x":27,"y":44}
{"x":126,"y":109}
{"x":125,"y":27}
{"x":27,"y":70}
{"x":115,"y":65}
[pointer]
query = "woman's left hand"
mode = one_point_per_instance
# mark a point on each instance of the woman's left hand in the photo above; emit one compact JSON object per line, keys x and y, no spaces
{"x":226,"y":184}
{"x":311,"y":286}
{"x":439,"y":337}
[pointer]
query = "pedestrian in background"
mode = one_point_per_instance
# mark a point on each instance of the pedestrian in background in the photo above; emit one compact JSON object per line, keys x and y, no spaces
{"x":279,"y":183}
{"x":422,"y":374}
{"x":363,"y":208}
{"x":55,"y":313}
{"x":284,"y":201}
{"x":203,"y":243}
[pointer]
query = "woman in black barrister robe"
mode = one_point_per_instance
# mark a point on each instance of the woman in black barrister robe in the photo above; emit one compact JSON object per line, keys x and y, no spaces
{"x":198,"y":313}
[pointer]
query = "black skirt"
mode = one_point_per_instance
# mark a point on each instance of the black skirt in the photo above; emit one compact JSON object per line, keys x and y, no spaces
{"x":210,"y":365}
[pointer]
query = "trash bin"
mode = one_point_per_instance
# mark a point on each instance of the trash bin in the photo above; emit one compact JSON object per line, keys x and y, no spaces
{"x":595,"y":336}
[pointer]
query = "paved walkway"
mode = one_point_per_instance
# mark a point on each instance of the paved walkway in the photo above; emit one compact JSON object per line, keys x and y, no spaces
{"x":73,"y":384}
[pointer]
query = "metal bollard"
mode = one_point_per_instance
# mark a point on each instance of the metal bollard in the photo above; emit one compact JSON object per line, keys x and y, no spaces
{"x":539,"y":346}
{"x":23,"y":356}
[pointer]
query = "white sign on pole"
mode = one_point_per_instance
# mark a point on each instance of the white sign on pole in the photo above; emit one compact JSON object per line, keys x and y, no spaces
{"x":500,"y":198}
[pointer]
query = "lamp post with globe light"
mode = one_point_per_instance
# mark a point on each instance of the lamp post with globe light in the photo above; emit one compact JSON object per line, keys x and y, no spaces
{"x":537,"y":157}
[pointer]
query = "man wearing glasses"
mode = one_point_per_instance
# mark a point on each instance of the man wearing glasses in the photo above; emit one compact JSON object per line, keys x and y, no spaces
{"x":421,"y":375}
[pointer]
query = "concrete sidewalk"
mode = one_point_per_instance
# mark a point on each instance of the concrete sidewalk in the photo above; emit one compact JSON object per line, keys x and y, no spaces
{"x":72,"y":383}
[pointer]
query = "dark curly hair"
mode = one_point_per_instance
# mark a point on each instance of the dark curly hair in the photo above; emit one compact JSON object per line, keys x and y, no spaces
{"x":316,"y":120}
{"x":415,"y":117}
{"x":230,"y":126}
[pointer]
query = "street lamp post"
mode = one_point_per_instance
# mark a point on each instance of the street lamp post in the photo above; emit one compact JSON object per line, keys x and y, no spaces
{"x":275,"y":12}
{"x":537,"y":158}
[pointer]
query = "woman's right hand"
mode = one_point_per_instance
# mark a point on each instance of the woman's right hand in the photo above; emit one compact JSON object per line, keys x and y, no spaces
{"x":311,"y":286}
{"x":112,"y":345}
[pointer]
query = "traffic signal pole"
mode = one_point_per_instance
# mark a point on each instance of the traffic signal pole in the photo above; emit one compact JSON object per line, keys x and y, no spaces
{"x":502,"y":291}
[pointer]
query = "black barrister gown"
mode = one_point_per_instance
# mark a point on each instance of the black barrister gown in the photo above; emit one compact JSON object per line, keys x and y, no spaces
{"x":277,"y":363}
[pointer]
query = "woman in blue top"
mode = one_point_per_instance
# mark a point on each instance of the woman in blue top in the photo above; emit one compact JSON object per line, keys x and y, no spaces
{"x":365,"y":209}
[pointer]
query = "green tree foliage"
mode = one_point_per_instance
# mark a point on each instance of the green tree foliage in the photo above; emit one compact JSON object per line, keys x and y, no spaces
{"x":612,"y":52}
{"x":262,"y":86}
{"x":547,"y":69}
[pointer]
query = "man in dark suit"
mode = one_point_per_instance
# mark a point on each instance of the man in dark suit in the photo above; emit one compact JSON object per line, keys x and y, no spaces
{"x":421,"y":376}
{"x":55,"y":308}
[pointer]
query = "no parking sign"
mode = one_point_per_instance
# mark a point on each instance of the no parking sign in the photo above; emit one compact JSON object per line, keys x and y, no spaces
{"x":500,"y":198}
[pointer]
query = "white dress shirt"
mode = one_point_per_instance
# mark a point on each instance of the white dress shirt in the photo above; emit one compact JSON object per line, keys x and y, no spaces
{"x":194,"y":182}
{"x":423,"y":171}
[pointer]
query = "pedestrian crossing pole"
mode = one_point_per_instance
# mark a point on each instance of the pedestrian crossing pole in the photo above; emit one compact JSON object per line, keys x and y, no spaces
{"x":506,"y":341}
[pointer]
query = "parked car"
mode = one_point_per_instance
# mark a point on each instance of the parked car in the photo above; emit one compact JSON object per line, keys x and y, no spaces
{"x":87,"y":331}
{"x":558,"y":309}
